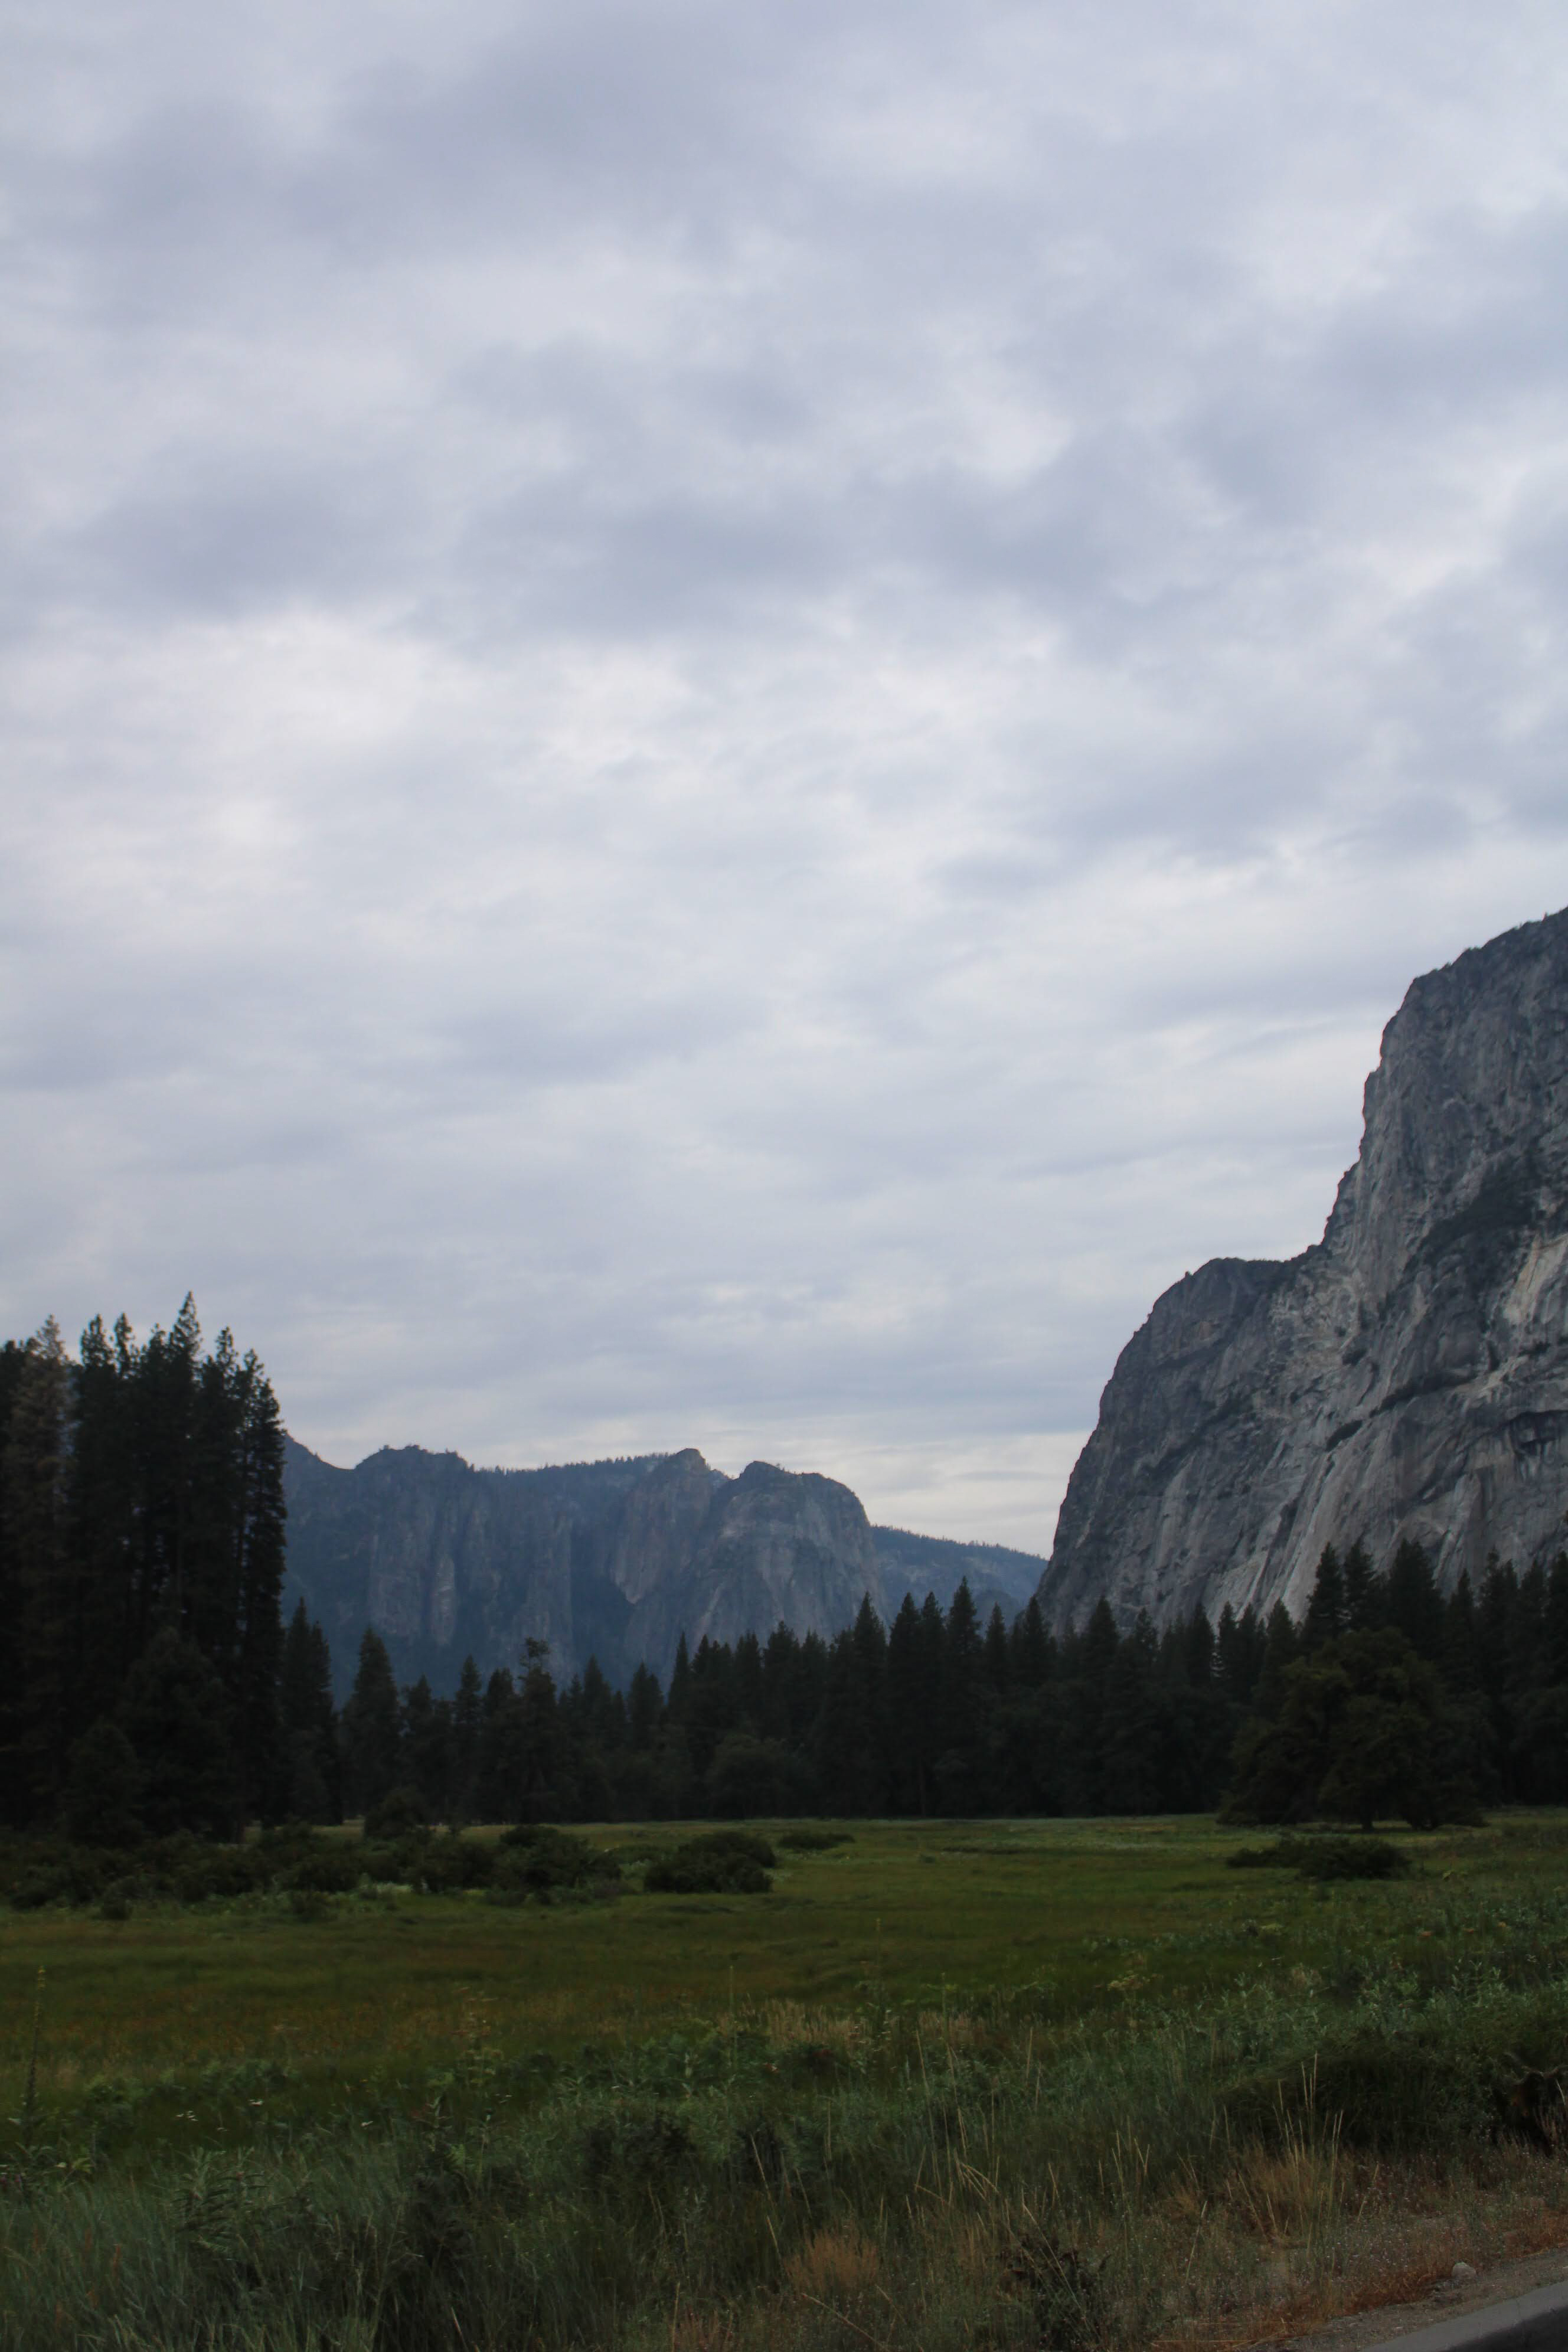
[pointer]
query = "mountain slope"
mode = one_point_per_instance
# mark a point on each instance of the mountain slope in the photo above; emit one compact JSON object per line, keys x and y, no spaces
{"x":612,"y":1559}
{"x":1406,"y":1376}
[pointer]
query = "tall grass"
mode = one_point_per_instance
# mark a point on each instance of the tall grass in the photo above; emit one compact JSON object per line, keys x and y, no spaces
{"x":895,"y":2173}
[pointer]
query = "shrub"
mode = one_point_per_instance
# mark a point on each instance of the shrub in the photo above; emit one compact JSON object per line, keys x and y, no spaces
{"x":50,"y":1871}
{"x":1325,"y":1857}
{"x":400,"y":1810}
{"x":446,"y":1865}
{"x":540,"y":1861}
{"x":1348,"y":1857}
{"x":324,"y":1870}
{"x":221,"y":1870}
{"x":725,"y":1862}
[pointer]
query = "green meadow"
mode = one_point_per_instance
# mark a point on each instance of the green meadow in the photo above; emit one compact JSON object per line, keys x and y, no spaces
{"x":1052,"y":2082}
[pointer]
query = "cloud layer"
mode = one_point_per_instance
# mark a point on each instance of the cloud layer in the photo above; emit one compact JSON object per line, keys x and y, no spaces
{"x":722,"y":723}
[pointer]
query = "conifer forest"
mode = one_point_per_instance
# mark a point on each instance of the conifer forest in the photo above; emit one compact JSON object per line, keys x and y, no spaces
{"x":150,"y":1684}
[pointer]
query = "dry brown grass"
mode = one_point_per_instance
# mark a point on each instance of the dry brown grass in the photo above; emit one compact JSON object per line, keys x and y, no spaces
{"x":838,"y":2265}
{"x":1298,"y":2235}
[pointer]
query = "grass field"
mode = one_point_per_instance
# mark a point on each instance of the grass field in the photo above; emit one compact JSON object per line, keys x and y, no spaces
{"x":1070,"y":2082}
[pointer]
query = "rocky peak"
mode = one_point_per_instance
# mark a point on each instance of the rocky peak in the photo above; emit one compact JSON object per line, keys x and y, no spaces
{"x":1406,"y":1376}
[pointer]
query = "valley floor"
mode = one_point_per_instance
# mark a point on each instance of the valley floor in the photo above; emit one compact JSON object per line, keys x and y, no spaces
{"x":1073,"y":2084}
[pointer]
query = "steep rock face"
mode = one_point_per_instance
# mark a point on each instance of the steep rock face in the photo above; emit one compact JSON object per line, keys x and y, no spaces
{"x":612,"y":1559}
{"x":1408,"y":1376}
{"x":442,"y":1559}
{"x":659,"y":1524}
{"x":776,"y":1546}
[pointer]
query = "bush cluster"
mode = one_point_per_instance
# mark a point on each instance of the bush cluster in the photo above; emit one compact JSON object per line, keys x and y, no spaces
{"x":1325,"y":1857}
{"x":724,"y":1862}
{"x":538,"y":1860}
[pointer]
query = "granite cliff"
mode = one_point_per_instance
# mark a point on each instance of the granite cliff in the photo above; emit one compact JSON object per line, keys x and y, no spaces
{"x":610,"y":1560}
{"x":1406,"y":1376}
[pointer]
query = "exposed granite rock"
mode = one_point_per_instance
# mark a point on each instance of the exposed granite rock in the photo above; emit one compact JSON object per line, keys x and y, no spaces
{"x":612,"y":1559}
{"x":659,"y":1525}
{"x":444,"y":1560}
{"x":777,"y":1546}
{"x":1406,"y":1376}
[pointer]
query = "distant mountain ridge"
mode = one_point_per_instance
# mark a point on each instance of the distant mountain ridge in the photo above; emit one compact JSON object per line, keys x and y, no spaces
{"x":1408,"y":1376}
{"x":612,"y":1559}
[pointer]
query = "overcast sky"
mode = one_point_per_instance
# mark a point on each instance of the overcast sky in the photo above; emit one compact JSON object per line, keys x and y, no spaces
{"x":722,"y":721}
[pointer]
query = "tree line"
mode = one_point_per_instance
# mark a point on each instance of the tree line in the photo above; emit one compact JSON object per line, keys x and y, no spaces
{"x":1388,"y":1698}
{"x":150,"y":1683}
{"x":141,"y":1547}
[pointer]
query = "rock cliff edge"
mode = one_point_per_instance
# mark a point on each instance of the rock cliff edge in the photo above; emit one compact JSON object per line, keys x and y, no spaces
{"x":1406,"y":1376}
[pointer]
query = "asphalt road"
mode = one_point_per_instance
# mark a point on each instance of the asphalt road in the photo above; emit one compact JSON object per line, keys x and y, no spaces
{"x":1517,"y":2306}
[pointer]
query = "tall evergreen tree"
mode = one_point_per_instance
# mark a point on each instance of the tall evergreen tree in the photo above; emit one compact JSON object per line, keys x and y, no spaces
{"x":1133,"y":1764}
{"x":1088,"y":1675}
{"x":312,"y":1765}
{"x":645,"y":1706}
{"x":1365,"y":1598}
{"x":371,"y":1729}
{"x":176,"y":1714}
{"x":468,"y":1715}
{"x":1030,"y":1649}
{"x":1412,"y":1603}
{"x":915,"y":1664}
{"x":1283,"y":1645}
{"x":42,"y":1570}
{"x":1325,"y":1617}
{"x":540,"y":1795}
{"x":426,"y":1756}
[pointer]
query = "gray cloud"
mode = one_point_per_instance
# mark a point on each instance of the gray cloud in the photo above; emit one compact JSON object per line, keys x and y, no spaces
{"x":723,"y":723}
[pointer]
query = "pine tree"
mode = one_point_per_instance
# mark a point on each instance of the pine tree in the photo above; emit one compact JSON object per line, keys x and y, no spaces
{"x":708,"y":1708}
{"x":14,"y":1791}
{"x":1460,"y":1660}
{"x":467,"y":1716}
{"x":1557,"y":1620}
{"x":1239,"y":1645}
{"x":1032,"y":1652}
{"x":1133,"y":1777}
{"x":1365,"y":1596}
{"x":1283,"y":1645}
{"x":37,"y":1457}
{"x":1199,"y":1651}
{"x":105,"y":1494}
{"x":540,"y":1790}
{"x":678,"y":1698}
{"x":1084,"y":1711}
{"x":1325,"y":1617}
{"x":748,"y":1682}
{"x":916,"y":1648}
{"x":645,"y":1709}
{"x":996,"y":1655}
{"x":254,"y":1531}
{"x":961,"y":1701}
{"x":312,"y":1767}
{"x":851,"y":1742}
{"x":496,"y":1772}
{"x":427,"y":1748}
{"x":1412,"y":1603}
{"x":371,"y":1729}
{"x":176,"y":1714}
